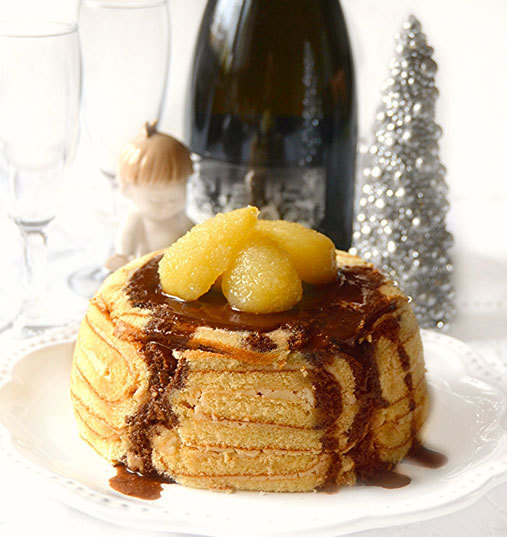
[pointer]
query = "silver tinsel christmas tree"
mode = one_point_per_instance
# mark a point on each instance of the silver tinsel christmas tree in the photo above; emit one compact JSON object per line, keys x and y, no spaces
{"x":400,"y":221}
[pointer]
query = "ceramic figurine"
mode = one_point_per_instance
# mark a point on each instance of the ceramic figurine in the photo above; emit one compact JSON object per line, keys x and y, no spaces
{"x":152,"y":172}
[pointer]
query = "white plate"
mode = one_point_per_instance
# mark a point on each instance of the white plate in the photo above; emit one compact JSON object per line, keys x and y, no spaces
{"x":467,"y":422}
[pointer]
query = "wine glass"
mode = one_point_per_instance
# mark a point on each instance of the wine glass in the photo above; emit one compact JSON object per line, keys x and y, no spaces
{"x":125,"y":47}
{"x":40,"y":85}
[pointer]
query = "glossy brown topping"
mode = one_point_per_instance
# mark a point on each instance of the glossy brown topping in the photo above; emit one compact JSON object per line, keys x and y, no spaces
{"x":260,"y":342}
{"x":387,"y":479}
{"x":139,"y":486}
{"x":330,"y":319}
{"x":338,"y":311}
{"x":428,"y":458}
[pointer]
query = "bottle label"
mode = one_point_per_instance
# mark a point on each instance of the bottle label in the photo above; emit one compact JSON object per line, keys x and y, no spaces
{"x":296,"y":194}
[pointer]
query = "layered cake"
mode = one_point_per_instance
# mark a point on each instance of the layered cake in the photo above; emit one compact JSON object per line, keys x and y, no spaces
{"x":228,"y":362}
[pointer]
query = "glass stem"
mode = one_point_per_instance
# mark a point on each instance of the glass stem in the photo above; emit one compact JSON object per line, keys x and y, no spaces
{"x":35,"y":250}
{"x":115,"y":201}
{"x":115,"y":211}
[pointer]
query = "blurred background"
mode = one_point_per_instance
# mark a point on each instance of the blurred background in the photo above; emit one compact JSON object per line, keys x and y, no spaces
{"x":470,"y":47}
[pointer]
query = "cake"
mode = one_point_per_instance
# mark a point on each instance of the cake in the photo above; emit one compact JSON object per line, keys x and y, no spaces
{"x":328,"y":391}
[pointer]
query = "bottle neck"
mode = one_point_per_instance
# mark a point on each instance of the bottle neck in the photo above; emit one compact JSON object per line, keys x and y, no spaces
{"x":264,"y":96}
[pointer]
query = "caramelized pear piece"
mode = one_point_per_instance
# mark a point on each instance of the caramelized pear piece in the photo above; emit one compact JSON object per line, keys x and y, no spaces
{"x":192,"y":264}
{"x":261,"y":279}
{"x":312,"y":253}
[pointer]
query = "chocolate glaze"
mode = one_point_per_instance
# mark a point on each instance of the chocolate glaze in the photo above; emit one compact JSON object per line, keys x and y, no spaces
{"x":345,"y":307}
{"x":132,"y":484}
{"x":330,"y":319}
{"x":260,"y":342}
{"x":387,"y":479}
{"x":389,"y":328}
{"x":405,"y":362}
{"x":428,"y":458}
{"x":328,"y":402}
{"x":419,"y":455}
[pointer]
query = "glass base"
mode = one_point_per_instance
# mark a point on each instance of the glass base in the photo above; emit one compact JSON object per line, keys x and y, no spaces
{"x":26,"y":325}
{"x":8,"y":318}
{"x":86,"y":281}
{"x":26,"y":328}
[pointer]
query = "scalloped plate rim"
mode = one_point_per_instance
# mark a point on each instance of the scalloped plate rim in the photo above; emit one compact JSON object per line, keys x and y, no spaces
{"x":138,"y":517}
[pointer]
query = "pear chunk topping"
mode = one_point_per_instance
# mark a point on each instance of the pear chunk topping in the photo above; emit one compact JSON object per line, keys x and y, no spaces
{"x":191,"y":265}
{"x":261,"y":279}
{"x":312,"y":253}
{"x":258,"y":264}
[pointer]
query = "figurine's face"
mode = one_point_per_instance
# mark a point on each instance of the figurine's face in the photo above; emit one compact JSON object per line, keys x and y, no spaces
{"x":159,"y":201}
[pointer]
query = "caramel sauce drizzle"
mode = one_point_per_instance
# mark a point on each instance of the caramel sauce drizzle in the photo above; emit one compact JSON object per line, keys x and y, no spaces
{"x":145,"y":487}
{"x":330,"y":319}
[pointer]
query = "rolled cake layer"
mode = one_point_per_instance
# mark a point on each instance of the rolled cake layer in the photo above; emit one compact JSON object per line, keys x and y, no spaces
{"x":329,"y":392}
